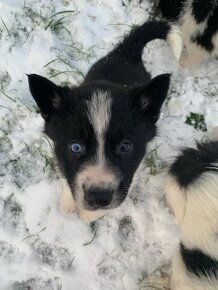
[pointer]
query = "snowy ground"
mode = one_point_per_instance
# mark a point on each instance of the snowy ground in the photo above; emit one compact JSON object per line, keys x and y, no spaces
{"x":39,"y":247}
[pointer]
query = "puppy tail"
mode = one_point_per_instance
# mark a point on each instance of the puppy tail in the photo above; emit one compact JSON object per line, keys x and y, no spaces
{"x":133,"y":44}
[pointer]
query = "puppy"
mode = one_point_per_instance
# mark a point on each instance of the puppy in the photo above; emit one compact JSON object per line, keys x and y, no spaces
{"x":194,"y":23}
{"x":100,"y":129}
{"x":192,"y":194}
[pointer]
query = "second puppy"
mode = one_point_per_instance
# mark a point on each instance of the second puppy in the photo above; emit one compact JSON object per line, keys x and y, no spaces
{"x":195,"y":23}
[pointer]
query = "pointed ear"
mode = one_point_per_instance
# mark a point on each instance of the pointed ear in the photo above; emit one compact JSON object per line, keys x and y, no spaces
{"x":45,"y":93}
{"x":150,"y":98}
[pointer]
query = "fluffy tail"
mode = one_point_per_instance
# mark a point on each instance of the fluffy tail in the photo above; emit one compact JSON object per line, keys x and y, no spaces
{"x":134,"y":43}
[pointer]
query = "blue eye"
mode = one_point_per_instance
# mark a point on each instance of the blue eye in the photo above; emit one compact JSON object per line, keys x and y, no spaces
{"x":125,"y":147}
{"x":76,"y":148}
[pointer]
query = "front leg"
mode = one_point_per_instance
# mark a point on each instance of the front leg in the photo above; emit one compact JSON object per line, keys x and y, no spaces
{"x":67,"y":202}
{"x":174,"y":38}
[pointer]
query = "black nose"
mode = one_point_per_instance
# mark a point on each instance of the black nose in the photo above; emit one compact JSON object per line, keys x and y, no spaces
{"x":97,"y":197}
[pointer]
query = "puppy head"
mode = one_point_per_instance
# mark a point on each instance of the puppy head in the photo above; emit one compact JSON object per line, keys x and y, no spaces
{"x":100,"y":132}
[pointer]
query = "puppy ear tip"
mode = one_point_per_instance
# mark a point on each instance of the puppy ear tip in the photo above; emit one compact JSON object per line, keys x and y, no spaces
{"x":31,"y":75}
{"x":166,"y":78}
{"x":163,"y":77}
{"x":167,"y":75}
{"x":32,"y":78}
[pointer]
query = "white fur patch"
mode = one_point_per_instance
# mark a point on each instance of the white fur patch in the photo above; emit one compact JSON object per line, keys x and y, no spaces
{"x":175,"y":41}
{"x":196,"y":211}
{"x":215,"y":42}
{"x":93,"y":175}
{"x":67,"y":203}
{"x":202,"y":211}
{"x":176,"y":199}
{"x":99,"y":113}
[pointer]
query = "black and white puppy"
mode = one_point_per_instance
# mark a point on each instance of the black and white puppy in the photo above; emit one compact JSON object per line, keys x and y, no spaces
{"x":101,"y":128}
{"x":192,"y":194}
{"x":196,"y":23}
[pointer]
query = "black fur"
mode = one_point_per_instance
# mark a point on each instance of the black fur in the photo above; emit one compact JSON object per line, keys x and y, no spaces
{"x":124,"y":65}
{"x":192,"y":163}
{"x":136,"y":103}
{"x":170,"y":10}
{"x":201,"y":9}
{"x":199,"y":263}
{"x":205,"y":39}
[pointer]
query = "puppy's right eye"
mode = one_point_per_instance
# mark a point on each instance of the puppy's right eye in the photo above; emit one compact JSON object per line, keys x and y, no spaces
{"x":124,"y":147}
{"x":76,"y":148}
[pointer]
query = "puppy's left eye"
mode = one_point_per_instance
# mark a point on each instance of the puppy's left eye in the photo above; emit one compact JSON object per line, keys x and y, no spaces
{"x":124,"y":147}
{"x":76,"y":148}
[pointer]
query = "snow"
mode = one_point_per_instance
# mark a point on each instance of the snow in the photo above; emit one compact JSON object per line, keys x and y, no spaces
{"x":40,"y":248}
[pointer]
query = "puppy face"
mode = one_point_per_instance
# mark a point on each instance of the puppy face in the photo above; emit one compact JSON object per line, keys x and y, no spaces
{"x":100,"y":132}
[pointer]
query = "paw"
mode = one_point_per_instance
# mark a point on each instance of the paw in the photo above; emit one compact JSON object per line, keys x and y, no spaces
{"x":159,"y":280}
{"x":185,"y":62}
{"x":157,"y":283}
{"x":67,"y":205}
{"x":192,"y":58}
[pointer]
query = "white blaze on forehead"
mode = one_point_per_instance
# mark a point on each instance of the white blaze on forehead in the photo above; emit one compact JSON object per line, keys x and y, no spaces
{"x":96,"y":173}
{"x":99,"y":114}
